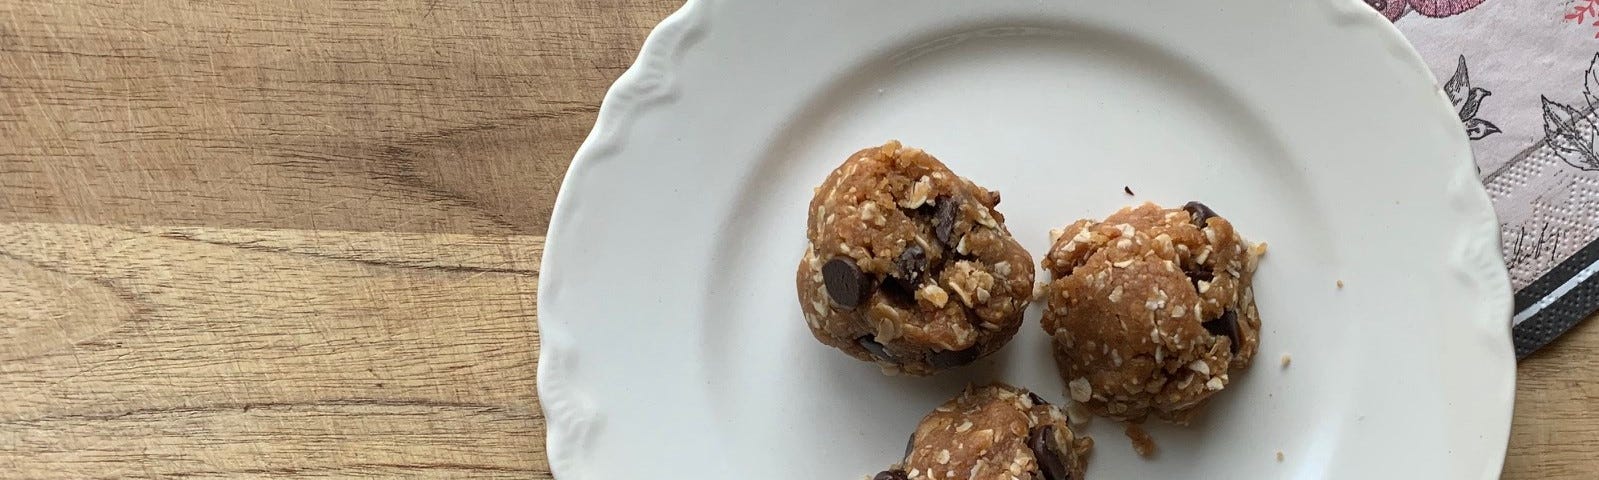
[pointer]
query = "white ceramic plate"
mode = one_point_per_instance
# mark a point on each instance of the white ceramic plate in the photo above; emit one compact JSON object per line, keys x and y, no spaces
{"x":673,"y":345}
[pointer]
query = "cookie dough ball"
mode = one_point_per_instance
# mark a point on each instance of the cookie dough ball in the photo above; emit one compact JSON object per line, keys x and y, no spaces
{"x":909,"y":266}
{"x":997,"y":432}
{"x":1151,"y":310}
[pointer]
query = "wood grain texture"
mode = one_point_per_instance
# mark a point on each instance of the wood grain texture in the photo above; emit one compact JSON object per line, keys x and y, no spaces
{"x":1556,"y":430}
{"x":144,"y":352}
{"x":408,"y":115}
{"x":301,"y":239}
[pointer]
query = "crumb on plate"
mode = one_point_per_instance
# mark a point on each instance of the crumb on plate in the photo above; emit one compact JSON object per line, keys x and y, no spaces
{"x":1142,"y":442}
{"x":1259,"y":249}
{"x":1077,"y":414}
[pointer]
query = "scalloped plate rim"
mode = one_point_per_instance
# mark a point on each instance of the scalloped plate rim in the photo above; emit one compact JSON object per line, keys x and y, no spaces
{"x":560,"y":400}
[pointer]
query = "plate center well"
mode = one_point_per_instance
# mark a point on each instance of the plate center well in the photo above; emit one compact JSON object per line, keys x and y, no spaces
{"x":1059,"y":121}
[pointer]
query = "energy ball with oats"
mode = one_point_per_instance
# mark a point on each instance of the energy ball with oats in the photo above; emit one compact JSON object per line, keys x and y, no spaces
{"x":909,"y":266}
{"x":997,"y":432}
{"x":1151,"y":310}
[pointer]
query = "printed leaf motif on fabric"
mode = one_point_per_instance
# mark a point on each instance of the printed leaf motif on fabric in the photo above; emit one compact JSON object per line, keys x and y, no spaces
{"x":1467,"y":99}
{"x":1584,"y":11}
{"x":1571,"y":131}
{"x":1394,"y":9}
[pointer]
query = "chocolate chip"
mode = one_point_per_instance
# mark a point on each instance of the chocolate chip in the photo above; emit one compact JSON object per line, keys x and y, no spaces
{"x":1199,"y":274}
{"x":1199,"y":212}
{"x":953,"y":358}
{"x":1378,"y":4}
{"x":845,"y":282}
{"x":1226,"y":325}
{"x":1127,"y":190}
{"x":891,"y":475}
{"x":912,"y":264}
{"x":909,"y":268}
{"x":1037,"y":400}
{"x":899,"y":292}
{"x":910,"y":444}
{"x":877,"y":349}
{"x":944,"y":220}
{"x":1050,"y":460}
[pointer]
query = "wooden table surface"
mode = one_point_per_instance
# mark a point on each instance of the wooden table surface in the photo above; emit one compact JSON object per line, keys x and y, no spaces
{"x":301,"y":239}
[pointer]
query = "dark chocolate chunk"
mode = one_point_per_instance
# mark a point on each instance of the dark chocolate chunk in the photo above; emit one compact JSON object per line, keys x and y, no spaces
{"x":910,"y":444}
{"x":1226,"y":325}
{"x":844,"y":281}
{"x":1378,"y":4}
{"x":912,"y":264}
{"x":955,"y":358}
{"x":1199,"y":212}
{"x":891,"y":475}
{"x":910,"y":267}
{"x":944,"y":220}
{"x":1037,"y":400}
{"x":877,"y":349}
{"x":899,"y":292}
{"x":1050,"y":459}
{"x":1128,"y":190}
{"x":1199,"y":273}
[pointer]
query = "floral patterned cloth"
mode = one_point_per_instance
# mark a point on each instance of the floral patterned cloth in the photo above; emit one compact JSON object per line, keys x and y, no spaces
{"x":1524,"y":77}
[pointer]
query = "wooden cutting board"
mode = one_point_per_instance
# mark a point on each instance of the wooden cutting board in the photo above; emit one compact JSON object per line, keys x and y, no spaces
{"x":301,"y":239}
